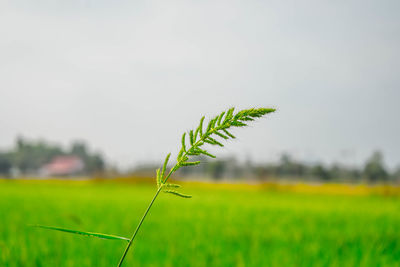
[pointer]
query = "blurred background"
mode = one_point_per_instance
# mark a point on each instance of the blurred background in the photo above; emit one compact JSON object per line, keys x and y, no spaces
{"x":94,"y":94}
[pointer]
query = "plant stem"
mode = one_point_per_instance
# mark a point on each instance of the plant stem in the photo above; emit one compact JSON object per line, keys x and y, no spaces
{"x":138,"y":227}
{"x":172,"y":170}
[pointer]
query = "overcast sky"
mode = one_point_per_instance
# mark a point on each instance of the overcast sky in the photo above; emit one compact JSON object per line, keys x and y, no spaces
{"x":129,"y":76}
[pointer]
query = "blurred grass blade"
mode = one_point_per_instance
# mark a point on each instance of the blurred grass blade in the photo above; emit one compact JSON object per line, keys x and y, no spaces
{"x":177,"y":193}
{"x":98,"y":235}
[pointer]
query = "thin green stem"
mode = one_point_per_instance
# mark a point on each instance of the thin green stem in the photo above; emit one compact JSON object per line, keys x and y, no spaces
{"x":173,"y":169}
{"x":138,"y":227}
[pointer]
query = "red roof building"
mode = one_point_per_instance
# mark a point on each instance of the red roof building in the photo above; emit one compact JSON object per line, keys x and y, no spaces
{"x":63,"y":166}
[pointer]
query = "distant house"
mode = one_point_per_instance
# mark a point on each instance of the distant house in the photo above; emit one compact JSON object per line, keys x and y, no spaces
{"x":63,"y":166}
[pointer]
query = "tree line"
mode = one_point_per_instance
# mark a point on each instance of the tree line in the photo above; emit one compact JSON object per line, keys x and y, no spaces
{"x":28,"y":156}
{"x":373,"y":171}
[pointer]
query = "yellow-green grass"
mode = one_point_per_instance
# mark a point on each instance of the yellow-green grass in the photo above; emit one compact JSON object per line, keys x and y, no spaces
{"x":222,"y":225}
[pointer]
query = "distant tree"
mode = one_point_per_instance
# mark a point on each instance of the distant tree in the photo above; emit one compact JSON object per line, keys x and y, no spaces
{"x":5,"y":164}
{"x":288,"y":167}
{"x":285,"y":165}
{"x":217,"y":169}
{"x":319,"y":171}
{"x":396,"y":175}
{"x":78,"y":148}
{"x":29,"y":156}
{"x":355,"y":174}
{"x":374,"y":169}
{"x":93,"y":162}
{"x":339,"y":172}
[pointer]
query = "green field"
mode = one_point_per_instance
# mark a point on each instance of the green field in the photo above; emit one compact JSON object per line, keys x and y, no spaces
{"x":219,"y":226}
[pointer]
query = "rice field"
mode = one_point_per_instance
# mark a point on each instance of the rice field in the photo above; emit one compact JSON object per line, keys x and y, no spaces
{"x":222,"y":225}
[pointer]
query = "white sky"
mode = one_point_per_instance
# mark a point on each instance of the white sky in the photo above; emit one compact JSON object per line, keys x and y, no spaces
{"x":130,"y":76}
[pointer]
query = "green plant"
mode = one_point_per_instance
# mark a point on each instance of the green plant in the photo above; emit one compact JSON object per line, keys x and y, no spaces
{"x":216,"y":127}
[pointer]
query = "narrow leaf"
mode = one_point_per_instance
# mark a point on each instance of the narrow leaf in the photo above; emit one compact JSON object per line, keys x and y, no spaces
{"x":193,"y":153}
{"x":240,"y":114}
{"x":177,"y":194}
{"x":98,"y":235}
{"x":238,"y":124}
{"x":180,"y":154}
{"x":220,"y":118}
{"x":229,"y":134}
{"x":183,"y":142}
{"x":187,"y":163}
{"x":215,"y":142}
{"x":246,"y":119}
{"x":214,"y":121}
{"x":191,"y":137}
{"x":221,"y":135}
{"x":209,"y":126}
{"x":201,"y":126}
{"x":158,"y":177}
{"x":208,"y":154}
{"x":229,"y":115}
{"x":165,"y":166}
{"x":209,"y":141}
{"x":171,"y":186}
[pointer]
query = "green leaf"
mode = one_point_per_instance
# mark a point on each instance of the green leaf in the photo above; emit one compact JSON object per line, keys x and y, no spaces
{"x":183,"y":142}
{"x":229,"y":115}
{"x":165,"y":166}
{"x":171,"y":186}
{"x":209,"y":141}
{"x":229,"y":134}
{"x":180,"y":154}
{"x":158,"y":177}
{"x":207,"y":154}
{"x":193,"y":153}
{"x":221,"y":135}
{"x":213,"y":141}
{"x":238,"y":124}
{"x":257,"y":113}
{"x":186,"y":163}
{"x":247,"y":119}
{"x":177,"y":193}
{"x":240,"y":114}
{"x":191,"y":137}
{"x":200,"y":128}
{"x":214,"y":121}
{"x":209,"y":126}
{"x":220,"y":118}
{"x":90,"y":234}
